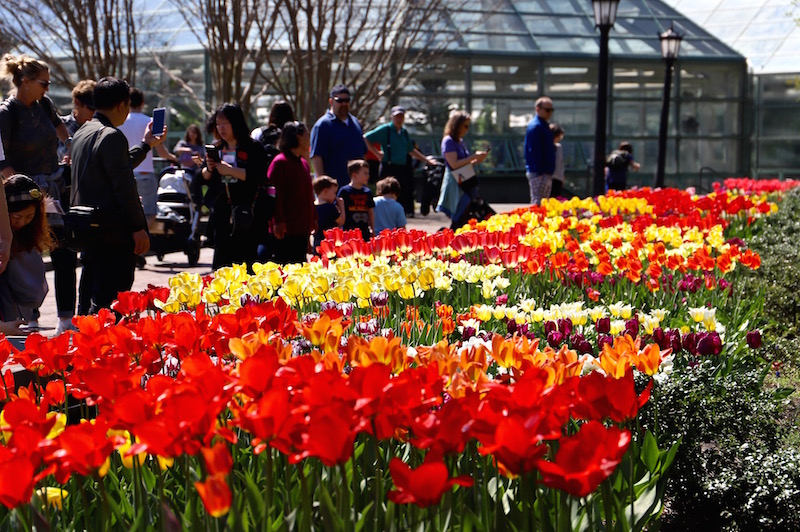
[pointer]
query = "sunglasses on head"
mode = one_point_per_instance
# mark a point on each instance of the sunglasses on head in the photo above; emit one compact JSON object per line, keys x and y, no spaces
{"x":299,"y":126}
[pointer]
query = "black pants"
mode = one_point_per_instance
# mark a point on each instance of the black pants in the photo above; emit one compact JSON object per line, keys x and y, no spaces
{"x":291,"y":249}
{"x":405,"y":176}
{"x":108,"y":268}
{"x":65,"y":262}
{"x":232,"y":249}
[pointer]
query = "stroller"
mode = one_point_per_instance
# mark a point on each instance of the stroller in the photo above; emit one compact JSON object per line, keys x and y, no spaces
{"x":178,"y":219}
{"x":433,"y":182}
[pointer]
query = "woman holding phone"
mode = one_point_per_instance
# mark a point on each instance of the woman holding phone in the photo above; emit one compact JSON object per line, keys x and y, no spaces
{"x":241,"y":164}
{"x":453,"y":201}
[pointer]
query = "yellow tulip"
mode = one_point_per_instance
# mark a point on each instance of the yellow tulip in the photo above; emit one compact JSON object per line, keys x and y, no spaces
{"x":52,"y":496}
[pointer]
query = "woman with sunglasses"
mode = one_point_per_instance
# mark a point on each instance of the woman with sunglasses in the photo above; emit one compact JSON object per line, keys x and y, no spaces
{"x":23,"y":286}
{"x":453,"y":201}
{"x":240,"y":163}
{"x":31,"y":127}
{"x":295,"y":214}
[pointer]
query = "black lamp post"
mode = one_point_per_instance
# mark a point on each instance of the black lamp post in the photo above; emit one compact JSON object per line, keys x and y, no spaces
{"x":670,"y":44}
{"x":605,"y":14}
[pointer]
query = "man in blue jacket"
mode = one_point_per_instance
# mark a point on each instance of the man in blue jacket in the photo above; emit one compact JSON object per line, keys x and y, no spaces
{"x":540,"y":151}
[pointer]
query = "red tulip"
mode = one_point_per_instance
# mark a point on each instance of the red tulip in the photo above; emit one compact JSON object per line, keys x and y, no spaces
{"x":215,"y":494}
{"x":217,"y":459}
{"x":423,"y":486}
{"x":585,"y":460}
{"x":16,"y":479}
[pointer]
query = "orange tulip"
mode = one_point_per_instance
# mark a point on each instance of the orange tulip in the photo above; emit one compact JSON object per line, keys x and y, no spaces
{"x":324,"y":332}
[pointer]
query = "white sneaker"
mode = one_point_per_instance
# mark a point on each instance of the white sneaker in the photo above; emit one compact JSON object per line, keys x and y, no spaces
{"x":65,"y":325}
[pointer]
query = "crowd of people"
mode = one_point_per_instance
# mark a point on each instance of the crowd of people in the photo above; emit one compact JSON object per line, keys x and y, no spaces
{"x":257,"y":184}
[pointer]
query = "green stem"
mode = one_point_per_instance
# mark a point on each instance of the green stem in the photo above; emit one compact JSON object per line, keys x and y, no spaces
{"x":305,"y":518}
{"x":268,"y":493}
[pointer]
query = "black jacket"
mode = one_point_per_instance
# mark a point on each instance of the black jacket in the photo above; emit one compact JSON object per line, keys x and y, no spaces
{"x":102,"y":174}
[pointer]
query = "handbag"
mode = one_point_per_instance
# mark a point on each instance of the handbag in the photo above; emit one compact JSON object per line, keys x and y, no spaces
{"x":82,"y":223}
{"x":81,"y":226}
{"x":241,"y":219}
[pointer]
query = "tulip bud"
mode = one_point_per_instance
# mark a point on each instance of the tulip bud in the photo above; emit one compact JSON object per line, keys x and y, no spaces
{"x":690,"y":343}
{"x":675,"y":340}
{"x":604,"y":339}
{"x":585,"y":348}
{"x":661,"y":338}
{"x":632,"y":327}
{"x":379,"y":299}
{"x":754,"y":339}
{"x":603,"y":325}
{"x":575,"y":339}
{"x":555,"y":338}
{"x":709,"y":344}
{"x":511,"y":326}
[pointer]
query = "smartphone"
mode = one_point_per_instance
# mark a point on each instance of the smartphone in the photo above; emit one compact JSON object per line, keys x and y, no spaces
{"x":159,"y":120}
{"x":212,"y":153}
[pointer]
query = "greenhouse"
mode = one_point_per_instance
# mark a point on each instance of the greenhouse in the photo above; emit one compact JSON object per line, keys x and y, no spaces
{"x":499,"y":56}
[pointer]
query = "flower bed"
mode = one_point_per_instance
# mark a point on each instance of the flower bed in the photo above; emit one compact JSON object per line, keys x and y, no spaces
{"x":459,"y":379}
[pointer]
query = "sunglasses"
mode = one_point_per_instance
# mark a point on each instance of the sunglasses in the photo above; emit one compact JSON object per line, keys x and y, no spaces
{"x":341,"y":100}
{"x":548,"y":109}
{"x":43,"y":83}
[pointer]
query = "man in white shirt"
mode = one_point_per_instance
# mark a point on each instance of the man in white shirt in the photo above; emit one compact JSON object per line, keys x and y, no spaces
{"x":146,"y":179}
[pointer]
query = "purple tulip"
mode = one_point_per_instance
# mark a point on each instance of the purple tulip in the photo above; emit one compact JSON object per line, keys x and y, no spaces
{"x":565,"y":326}
{"x":709,"y":344}
{"x":604,"y":339}
{"x":690,"y":343}
{"x":632,"y":327}
{"x":550,"y":326}
{"x":555,"y":338}
{"x":603,"y":325}
{"x":661,"y":338}
{"x":754,"y":339}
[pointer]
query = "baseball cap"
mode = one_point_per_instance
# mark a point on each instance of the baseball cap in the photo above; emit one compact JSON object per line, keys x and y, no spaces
{"x":339,"y":89}
{"x":398,"y":110}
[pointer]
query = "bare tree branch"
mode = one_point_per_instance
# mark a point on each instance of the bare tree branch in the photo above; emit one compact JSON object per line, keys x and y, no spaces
{"x":100,"y":38}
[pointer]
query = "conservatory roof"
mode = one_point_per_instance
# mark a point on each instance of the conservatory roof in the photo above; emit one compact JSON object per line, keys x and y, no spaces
{"x":544,"y":28}
{"x":764,"y":31}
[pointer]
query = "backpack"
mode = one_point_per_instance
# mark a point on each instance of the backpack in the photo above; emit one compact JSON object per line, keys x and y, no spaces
{"x":617,"y":160}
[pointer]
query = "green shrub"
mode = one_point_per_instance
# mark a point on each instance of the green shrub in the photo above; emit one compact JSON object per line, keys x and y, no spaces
{"x":732,"y":470}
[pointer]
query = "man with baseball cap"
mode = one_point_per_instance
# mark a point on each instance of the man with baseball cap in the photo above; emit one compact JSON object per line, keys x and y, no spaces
{"x":337,"y":138}
{"x":397,"y":146}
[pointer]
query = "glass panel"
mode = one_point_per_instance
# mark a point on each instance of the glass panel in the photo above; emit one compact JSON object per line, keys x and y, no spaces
{"x":631,"y":119}
{"x":707,"y":118}
{"x":719,"y":155}
{"x":779,"y":154}
{"x":715,"y":81}
{"x":644,"y":81}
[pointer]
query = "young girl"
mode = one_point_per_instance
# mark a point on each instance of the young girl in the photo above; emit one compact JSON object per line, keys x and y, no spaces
{"x":23,"y":286}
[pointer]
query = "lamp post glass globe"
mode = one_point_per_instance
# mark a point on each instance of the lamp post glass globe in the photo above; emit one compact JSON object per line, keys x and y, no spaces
{"x":605,"y":12}
{"x":670,"y":43}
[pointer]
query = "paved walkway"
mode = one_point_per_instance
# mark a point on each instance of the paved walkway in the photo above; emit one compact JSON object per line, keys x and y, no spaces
{"x":157,"y":272}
